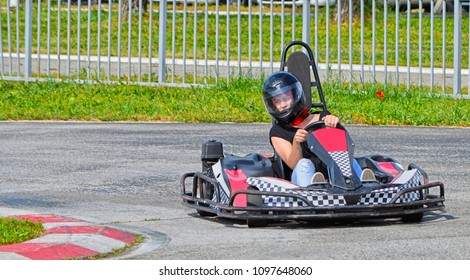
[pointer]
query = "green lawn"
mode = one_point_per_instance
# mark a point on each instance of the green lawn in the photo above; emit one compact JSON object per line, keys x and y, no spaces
{"x":239,"y":101}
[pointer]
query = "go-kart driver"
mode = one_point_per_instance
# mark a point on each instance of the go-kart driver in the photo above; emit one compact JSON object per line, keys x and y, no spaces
{"x":284,"y":99}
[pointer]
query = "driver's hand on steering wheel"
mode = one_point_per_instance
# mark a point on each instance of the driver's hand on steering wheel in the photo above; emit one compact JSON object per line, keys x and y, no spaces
{"x":330,"y":120}
{"x":301,"y":135}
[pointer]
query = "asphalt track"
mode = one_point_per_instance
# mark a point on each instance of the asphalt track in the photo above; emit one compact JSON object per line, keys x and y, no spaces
{"x":125,"y":176}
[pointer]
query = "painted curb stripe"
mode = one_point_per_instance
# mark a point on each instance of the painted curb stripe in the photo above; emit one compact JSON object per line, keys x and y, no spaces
{"x":46,"y":218}
{"x":105,"y":231}
{"x":48,"y":251}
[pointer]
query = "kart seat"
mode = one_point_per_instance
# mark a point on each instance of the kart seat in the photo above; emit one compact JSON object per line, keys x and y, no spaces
{"x":384,"y":168}
{"x":298,"y":64}
{"x":281,"y":170}
{"x":302,"y":65}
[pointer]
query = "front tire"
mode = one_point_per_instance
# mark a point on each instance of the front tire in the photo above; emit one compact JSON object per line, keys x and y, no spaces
{"x":206,"y":191}
{"x":256,"y":223}
{"x":203,"y":213}
{"x":412,"y":218}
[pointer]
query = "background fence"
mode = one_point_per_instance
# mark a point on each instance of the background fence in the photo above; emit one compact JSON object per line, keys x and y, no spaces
{"x":204,"y":42}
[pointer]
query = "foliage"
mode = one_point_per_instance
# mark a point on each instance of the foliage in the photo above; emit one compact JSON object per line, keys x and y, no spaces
{"x":17,"y":231}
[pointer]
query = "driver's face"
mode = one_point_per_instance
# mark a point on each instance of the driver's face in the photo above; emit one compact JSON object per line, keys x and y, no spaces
{"x":283,"y":101}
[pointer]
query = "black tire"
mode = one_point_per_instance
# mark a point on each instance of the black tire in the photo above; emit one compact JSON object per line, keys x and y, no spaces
{"x":412,"y":218}
{"x":203,"y":213}
{"x":415,"y":217}
{"x":256,"y":223}
{"x":206,"y":191}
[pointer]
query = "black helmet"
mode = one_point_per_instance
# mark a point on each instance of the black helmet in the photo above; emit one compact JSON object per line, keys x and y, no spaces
{"x":282,"y":83}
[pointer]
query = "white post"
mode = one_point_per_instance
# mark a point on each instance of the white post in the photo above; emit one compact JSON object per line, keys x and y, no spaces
{"x":457,"y":47}
{"x":306,"y":22}
{"x":162,"y":43}
{"x":28,"y":39}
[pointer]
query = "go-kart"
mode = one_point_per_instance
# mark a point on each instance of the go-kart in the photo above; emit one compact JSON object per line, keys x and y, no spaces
{"x":257,"y":188}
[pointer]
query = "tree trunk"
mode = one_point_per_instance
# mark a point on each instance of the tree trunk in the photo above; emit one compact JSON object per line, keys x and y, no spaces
{"x":343,"y":10}
{"x":134,"y":6}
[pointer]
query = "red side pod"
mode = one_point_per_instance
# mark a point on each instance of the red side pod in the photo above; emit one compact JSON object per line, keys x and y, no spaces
{"x":237,"y":180}
{"x":389,"y":168}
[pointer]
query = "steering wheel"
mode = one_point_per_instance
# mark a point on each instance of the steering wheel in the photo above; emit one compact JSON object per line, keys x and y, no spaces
{"x":315,"y":125}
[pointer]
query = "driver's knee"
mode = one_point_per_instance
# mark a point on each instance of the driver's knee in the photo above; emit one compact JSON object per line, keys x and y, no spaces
{"x":303,"y":172}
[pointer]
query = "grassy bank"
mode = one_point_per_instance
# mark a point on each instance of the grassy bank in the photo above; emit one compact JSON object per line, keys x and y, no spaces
{"x":17,"y":231}
{"x":240,"y":101}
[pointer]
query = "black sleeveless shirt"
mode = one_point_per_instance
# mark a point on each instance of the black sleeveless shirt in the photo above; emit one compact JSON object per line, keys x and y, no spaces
{"x":287,"y":132}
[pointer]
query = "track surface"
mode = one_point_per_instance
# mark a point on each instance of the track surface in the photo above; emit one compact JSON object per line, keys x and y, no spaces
{"x":127,"y":175}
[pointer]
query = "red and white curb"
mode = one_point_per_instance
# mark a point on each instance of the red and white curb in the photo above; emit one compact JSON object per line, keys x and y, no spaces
{"x":66,"y":238}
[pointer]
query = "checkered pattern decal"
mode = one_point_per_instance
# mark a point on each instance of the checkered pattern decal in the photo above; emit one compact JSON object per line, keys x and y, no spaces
{"x":342,"y":160}
{"x":380,"y":196}
{"x":223,"y":197}
{"x":385,"y":195}
{"x":411,"y":196}
{"x":317,"y":198}
{"x":320,"y":198}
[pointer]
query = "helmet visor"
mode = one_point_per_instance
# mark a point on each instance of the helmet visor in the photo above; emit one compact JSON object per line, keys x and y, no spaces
{"x":279,"y":100}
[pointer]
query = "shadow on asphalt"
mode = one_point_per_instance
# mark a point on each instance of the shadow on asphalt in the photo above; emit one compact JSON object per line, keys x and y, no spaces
{"x":430,"y":217}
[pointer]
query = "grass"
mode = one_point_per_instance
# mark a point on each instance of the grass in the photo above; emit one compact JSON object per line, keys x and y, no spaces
{"x":399,"y":107}
{"x":16,"y":231}
{"x":138,"y":239}
{"x":238,"y":101}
